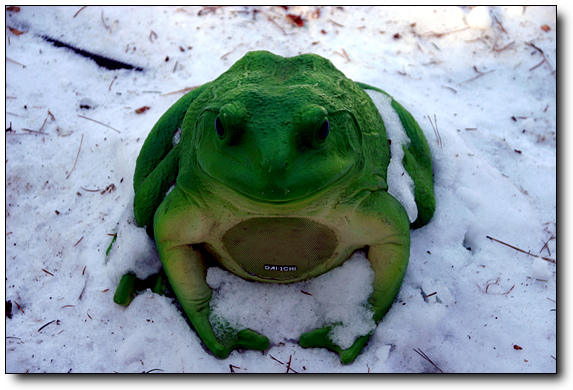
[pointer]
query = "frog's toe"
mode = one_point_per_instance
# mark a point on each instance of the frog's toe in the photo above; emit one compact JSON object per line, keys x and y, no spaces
{"x":319,"y":338}
{"x":347,"y":356}
{"x":125,"y":290}
{"x":249,"y":339}
{"x":245,"y":339}
{"x":316,"y":338}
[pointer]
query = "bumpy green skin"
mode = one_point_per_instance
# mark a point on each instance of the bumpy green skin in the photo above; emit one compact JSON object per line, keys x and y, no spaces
{"x":279,"y":176}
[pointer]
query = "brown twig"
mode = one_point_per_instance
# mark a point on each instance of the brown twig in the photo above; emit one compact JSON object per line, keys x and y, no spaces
{"x":103,"y":21}
{"x":78,"y":155}
{"x":538,"y":65}
{"x":15,"y":62}
{"x":288,"y":365}
{"x":226,"y":54}
{"x":152,"y":35}
{"x":19,"y":307}
{"x":335,"y":23}
{"x":271,"y":20}
{"x":103,"y":124}
{"x":180,"y":91}
{"x":439,"y":35}
{"x":545,"y":60}
{"x":521,"y":250}
{"x":480,"y":74}
{"x":112,"y":81}
{"x":494,"y":283}
{"x":500,"y":25}
{"x":80,"y":10}
{"x":450,"y":88}
{"x":275,"y":359}
{"x":35,"y":131}
{"x":208,"y":9}
{"x":48,"y":272}
{"x":504,"y":48}
{"x":344,"y":54}
{"x":436,"y":131}
{"x":545,"y":245}
{"x":51,"y":322}
{"x":88,"y":190}
{"x":404,"y":73}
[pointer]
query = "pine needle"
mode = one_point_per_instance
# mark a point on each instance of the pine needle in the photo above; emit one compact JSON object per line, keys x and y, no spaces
{"x":422,"y":354}
{"x":78,"y":155}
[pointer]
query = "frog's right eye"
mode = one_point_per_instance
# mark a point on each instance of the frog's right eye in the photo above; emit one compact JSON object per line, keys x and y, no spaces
{"x":219,"y":128}
{"x":230,"y":123}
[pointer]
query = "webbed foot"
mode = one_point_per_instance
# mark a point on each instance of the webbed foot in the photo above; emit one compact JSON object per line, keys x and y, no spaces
{"x":129,"y":285}
{"x":320,"y":338}
{"x":223,"y":345}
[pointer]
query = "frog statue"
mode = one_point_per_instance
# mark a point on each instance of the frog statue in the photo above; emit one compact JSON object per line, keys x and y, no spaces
{"x":277,"y":172}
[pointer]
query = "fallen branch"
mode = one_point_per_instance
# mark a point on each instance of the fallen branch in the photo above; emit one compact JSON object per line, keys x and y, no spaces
{"x":521,"y":250}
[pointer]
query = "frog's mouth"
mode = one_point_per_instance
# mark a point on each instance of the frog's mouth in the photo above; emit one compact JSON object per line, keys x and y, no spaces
{"x":276,"y":191}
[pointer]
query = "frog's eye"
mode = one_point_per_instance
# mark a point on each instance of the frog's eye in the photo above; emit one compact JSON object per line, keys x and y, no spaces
{"x":323,"y":131}
{"x":230,"y":124}
{"x":219,"y":128}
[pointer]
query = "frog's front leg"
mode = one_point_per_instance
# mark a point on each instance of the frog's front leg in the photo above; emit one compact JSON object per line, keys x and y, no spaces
{"x":386,"y":226}
{"x":186,"y":269}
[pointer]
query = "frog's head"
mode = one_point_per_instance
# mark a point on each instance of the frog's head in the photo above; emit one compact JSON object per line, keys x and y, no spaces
{"x":278,"y":129}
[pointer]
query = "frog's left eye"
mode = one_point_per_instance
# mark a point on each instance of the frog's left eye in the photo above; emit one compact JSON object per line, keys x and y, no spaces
{"x":323,"y":131}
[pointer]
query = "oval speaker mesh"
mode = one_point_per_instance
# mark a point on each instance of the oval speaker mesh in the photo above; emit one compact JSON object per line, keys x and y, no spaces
{"x":280,"y":248}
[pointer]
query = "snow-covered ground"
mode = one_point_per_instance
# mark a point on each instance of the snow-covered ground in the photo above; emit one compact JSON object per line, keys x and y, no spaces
{"x":480,"y":81}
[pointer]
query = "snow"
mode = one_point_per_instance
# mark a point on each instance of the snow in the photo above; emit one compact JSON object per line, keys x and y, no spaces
{"x":400,"y":184}
{"x":471,"y":304}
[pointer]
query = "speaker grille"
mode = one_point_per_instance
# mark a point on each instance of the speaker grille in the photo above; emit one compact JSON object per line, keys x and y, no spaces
{"x":280,"y":248}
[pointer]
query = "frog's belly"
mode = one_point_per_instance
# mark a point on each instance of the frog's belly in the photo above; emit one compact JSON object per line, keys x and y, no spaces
{"x":280,"y":248}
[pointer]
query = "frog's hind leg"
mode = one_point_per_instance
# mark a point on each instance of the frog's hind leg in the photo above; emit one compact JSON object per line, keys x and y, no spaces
{"x":151,"y":192}
{"x":417,"y":160}
{"x":159,"y":142}
{"x":418,"y":163}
